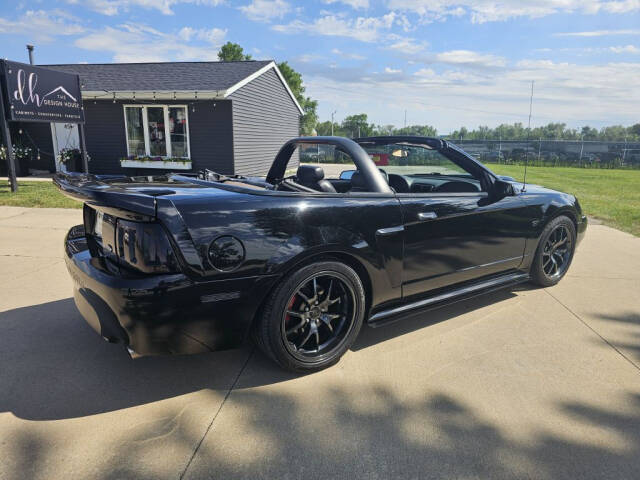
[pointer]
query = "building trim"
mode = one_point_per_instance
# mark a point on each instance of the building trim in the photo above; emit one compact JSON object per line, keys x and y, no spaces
{"x":256,"y":74}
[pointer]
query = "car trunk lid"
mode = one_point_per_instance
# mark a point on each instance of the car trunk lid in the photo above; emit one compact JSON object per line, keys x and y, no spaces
{"x":136,"y":195}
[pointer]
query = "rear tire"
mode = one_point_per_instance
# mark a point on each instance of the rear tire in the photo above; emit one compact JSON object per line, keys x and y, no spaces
{"x":555,"y":252}
{"x":312,"y":318}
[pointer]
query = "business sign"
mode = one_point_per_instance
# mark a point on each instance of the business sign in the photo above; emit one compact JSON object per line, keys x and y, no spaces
{"x":37,"y":94}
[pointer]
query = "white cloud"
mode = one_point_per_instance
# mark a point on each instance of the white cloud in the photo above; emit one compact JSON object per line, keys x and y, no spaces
{"x":482,"y":11}
{"x":308,"y":57}
{"x":598,"y":33}
{"x":42,"y":25}
{"x":215,"y":36}
{"x":351,"y":56}
{"x":114,"y":7}
{"x":469,"y":58}
{"x":365,"y":29}
{"x":449,"y":96}
{"x":357,"y":4}
{"x":406,"y":45}
{"x":625,"y":49}
{"x":130,"y":43}
{"x":265,"y":10}
{"x":391,"y":70}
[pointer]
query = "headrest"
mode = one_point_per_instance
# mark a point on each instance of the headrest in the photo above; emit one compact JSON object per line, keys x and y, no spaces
{"x":309,"y":173}
{"x":358,"y":181}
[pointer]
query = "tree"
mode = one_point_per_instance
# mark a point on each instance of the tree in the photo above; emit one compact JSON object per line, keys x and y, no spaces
{"x":357,"y":126}
{"x":324,"y":129}
{"x":384,"y":130}
{"x":294,"y":80}
{"x":589,"y":133}
{"x":420,"y":130}
{"x":232,"y":52}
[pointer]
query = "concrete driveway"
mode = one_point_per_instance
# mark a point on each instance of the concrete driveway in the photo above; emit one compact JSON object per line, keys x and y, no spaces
{"x":529,"y":383}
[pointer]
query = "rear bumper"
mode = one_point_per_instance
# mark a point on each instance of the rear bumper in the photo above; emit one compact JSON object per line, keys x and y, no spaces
{"x":157,"y":314}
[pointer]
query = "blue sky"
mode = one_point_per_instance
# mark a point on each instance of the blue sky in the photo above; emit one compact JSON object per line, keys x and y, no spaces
{"x":448,"y":63}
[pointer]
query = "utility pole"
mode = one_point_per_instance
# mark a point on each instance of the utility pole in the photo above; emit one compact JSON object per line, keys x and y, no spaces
{"x":405,"y":118}
{"x":30,"y":50}
{"x":539,"y":146}
{"x":332,"y":114}
{"x":581,"y":150}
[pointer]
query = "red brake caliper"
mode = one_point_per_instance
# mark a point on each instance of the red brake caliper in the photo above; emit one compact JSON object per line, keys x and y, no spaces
{"x":288,"y":317}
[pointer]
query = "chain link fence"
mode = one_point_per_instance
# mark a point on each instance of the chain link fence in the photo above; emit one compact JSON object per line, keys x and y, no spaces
{"x":537,"y":152}
{"x":555,"y":153}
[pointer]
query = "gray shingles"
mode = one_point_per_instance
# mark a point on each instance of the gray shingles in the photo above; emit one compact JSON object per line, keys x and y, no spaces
{"x":170,"y":76}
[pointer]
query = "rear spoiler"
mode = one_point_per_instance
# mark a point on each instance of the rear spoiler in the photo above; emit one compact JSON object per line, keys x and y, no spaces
{"x":97,"y":190}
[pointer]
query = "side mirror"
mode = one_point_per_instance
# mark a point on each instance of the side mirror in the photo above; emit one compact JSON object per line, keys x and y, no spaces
{"x":503,"y":189}
{"x":346,"y":174}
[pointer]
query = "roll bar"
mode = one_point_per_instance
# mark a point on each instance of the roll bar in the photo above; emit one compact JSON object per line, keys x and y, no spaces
{"x":373,"y":177}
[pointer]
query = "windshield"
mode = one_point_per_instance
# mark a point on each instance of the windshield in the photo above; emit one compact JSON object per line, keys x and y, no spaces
{"x":413,"y":160}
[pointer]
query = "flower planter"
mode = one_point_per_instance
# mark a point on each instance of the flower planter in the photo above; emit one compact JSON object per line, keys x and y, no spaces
{"x":165,"y":165}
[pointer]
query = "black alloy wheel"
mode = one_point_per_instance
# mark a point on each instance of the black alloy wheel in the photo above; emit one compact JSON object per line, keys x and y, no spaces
{"x":555,"y":252}
{"x":318,"y":315}
{"x":313,"y":317}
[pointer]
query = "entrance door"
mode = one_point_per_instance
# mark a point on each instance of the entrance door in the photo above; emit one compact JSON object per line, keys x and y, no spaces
{"x":65,"y":135}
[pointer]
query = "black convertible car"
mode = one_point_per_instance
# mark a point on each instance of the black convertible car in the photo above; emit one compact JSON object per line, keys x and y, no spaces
{"x":299,"y":260}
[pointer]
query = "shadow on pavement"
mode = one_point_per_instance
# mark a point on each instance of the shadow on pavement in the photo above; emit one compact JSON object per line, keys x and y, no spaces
{"x":416,"y":321}
{"x":282,"y":436}
{"x":54,"y":366}
{"x":435,"y":437}
{"x":630,"y":321}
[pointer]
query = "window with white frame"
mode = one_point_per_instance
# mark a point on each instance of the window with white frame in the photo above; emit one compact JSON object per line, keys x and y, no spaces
{"x":157,"y":130}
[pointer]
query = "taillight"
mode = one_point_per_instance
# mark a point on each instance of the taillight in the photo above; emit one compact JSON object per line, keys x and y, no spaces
{"x":145,"y":247}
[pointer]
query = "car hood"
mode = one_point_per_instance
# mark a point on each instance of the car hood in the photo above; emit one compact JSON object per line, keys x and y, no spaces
{"x":533,"y":189}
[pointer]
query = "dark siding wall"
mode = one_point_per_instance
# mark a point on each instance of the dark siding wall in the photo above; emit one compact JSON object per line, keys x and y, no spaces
{"x":210,"y":134}
{"x":264,"y":117}
{"x":105,"y":135}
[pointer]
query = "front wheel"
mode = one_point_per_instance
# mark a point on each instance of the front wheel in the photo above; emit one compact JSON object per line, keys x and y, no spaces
{"x":555,"y":252}
{"x":312,"y":317}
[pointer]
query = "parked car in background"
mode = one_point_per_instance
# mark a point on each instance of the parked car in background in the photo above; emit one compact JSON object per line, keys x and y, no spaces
{"x":298,"y":261}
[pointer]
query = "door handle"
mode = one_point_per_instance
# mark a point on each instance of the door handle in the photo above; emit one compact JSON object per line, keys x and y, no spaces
{"x":427,"y":215}
{"x":389,"y":230}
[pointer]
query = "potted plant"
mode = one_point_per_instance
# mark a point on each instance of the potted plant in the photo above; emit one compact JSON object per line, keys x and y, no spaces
{"x":22,"y":157}
{"x":71,"y":158}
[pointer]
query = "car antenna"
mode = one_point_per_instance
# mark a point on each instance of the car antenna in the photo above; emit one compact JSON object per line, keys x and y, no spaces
{"x":526,"y":153}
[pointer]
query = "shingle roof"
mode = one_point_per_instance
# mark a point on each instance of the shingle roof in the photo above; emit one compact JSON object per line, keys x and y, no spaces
{"x":178,"y":76}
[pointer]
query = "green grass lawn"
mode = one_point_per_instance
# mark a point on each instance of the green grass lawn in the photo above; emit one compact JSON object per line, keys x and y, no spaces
{"x":35,"y":194}
{"x":612,"y":196}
